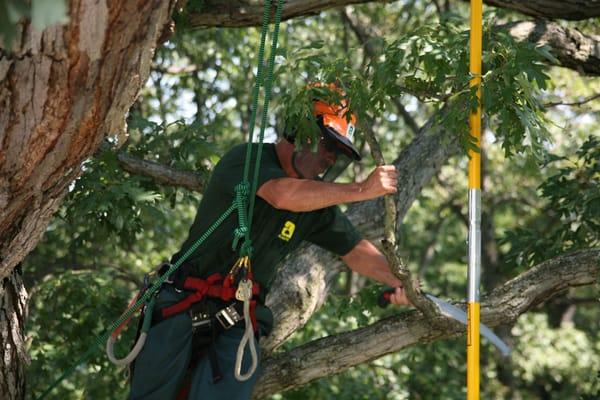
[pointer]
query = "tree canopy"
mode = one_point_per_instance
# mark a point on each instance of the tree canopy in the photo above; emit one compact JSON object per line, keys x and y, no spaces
{"x":112,"y":117}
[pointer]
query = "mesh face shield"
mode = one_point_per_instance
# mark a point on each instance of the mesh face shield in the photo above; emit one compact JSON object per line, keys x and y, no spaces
{"x":326,"y":163}
{"x":332,"y":173}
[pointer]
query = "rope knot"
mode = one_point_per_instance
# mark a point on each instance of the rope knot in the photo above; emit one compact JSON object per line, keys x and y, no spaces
{"x":238,"y":233}
{"x":246,"y":249}
{"x":242,"y":189}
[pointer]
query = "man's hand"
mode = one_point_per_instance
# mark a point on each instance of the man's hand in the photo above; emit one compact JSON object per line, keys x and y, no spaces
{"x":399,"y":297}
{"x":383,"y":180}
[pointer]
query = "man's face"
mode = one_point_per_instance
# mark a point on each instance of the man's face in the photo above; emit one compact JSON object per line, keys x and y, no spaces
{"x":309,"y":164}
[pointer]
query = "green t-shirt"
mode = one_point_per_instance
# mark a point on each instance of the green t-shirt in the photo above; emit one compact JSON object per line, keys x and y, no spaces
{"x":275,"y":233}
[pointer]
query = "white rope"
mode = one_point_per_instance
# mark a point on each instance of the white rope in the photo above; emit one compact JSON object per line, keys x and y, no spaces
{"x":247,"y":339}
{"x":110,"y":351}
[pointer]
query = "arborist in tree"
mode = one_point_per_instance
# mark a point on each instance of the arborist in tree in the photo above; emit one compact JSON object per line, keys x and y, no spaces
{"x":200,"y":315}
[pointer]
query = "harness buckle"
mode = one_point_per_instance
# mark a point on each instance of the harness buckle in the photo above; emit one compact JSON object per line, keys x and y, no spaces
{"x":228,"y":317}
{"x":200,"y":321}
{"x":200,"y":317}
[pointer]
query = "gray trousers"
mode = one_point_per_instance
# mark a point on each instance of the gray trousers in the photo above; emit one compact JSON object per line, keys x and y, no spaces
{"x":161,"y":366}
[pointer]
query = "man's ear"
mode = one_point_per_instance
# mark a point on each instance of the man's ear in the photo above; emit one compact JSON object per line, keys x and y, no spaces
{"x":289,"y":133}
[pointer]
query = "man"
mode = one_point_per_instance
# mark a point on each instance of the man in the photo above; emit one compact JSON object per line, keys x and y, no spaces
{"x":295,"y":202}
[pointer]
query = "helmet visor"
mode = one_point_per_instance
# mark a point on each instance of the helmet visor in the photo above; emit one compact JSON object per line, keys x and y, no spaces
{"x":333,"y":172}
{"x":326,"y":163}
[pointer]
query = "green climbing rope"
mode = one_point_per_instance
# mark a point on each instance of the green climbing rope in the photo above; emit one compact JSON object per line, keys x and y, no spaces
{"x":263,"y":122}
{"x":240,"y":203}
{"x":246,"y":249}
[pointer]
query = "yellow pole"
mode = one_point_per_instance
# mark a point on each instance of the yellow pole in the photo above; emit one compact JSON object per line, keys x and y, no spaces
{"x":474,"y":210}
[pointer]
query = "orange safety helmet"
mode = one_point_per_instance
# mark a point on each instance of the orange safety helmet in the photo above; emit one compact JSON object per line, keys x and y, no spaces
{"x":335,"y":123}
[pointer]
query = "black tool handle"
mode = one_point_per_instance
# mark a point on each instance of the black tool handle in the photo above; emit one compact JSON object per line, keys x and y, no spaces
{"x":384,"y":298}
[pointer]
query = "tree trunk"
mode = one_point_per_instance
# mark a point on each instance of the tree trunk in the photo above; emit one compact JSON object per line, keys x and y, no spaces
{"x":13,"y":356}
{"x":62,"y":91}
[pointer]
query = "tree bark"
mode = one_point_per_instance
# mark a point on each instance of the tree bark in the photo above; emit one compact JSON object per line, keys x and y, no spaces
{"x":551,"y":9}
{"x":161,"y":174}
{"x":62,"y":91}
{"x":572,"y":48}
{"x":241,"y":13}
{"x":333,"y":354}
{"x":13,"y":354}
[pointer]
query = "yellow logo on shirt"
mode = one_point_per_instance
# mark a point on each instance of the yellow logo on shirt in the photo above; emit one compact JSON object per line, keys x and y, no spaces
{"x":288,"y":231}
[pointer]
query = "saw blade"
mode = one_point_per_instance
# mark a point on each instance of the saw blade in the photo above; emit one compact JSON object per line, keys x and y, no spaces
{"x":456,"y":313}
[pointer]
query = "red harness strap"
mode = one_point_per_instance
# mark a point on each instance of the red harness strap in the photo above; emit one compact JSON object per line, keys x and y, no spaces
{"x":214,"y":286}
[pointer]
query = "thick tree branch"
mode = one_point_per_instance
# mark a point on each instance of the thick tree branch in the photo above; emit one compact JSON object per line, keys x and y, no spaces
{"x":572,"y":48}
{"x":240,"y":13}
{"x":504,"y":305}
{"x":161,"y":173}
{"x":552,"y":9}
{"x":62,"y":91}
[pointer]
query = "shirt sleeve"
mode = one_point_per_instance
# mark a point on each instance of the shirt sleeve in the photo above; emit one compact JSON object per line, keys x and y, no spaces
{"x":229,"y":172}
{"x":335,"y":232}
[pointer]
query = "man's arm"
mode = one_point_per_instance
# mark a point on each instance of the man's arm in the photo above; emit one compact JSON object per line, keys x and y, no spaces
{"x":367,"y":260}
{"x":307,"y":195}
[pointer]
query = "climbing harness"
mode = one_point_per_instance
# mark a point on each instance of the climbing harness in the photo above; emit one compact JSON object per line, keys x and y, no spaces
{"x":215,"y":304}
{"x":241,"y":204}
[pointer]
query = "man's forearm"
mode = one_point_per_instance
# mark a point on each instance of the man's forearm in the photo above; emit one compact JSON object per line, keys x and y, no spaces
{"x":301,"y":195}
{"x":368,"y":261}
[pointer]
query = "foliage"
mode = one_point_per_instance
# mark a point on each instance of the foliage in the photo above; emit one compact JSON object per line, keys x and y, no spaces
{"x":70,"y":309}
{"x":105,"y":199}
{"x":561,"y":362}
{"x":570,"y":218}
{"x":417,"y":64}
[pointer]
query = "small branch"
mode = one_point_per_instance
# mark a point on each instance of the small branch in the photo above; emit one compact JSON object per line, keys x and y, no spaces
{"x":390,"y":203}
{"x":364,"y":37}
{"x":575,"y":103}
{"x":438,"y":7}
{"x":161,"y":173}
{"x":397,"y":266}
